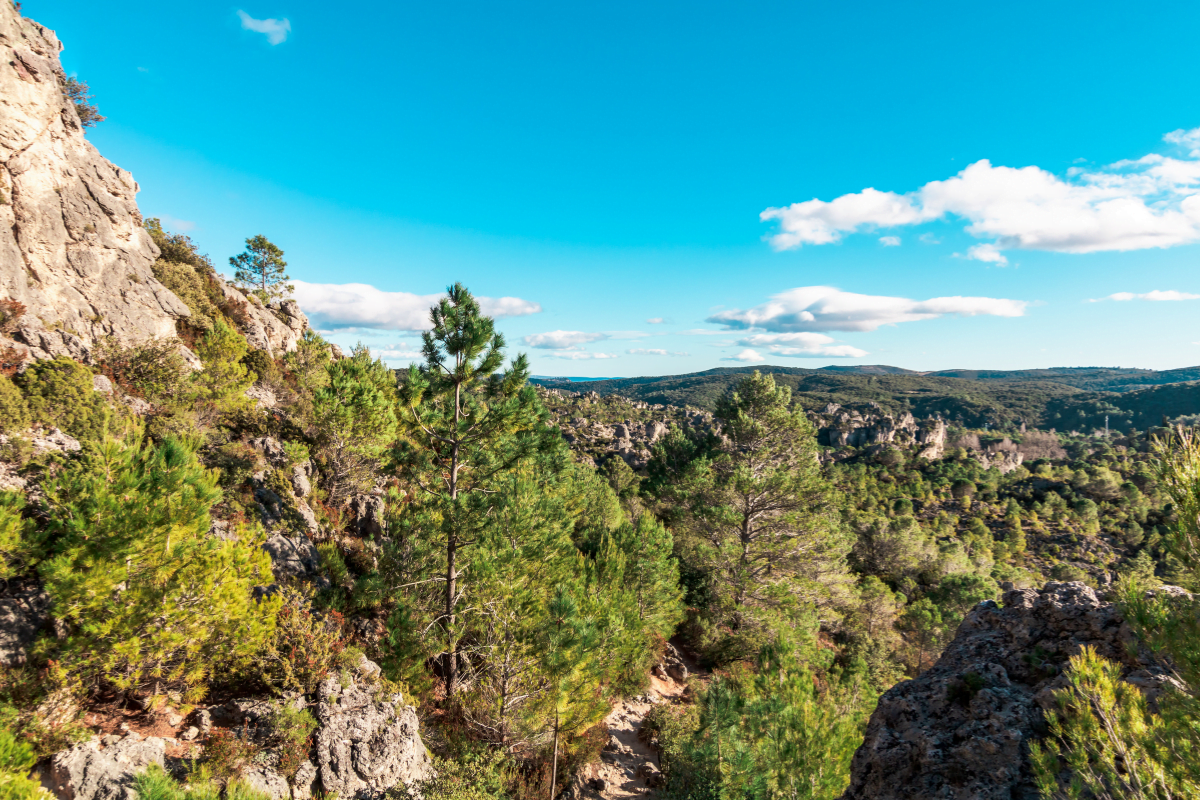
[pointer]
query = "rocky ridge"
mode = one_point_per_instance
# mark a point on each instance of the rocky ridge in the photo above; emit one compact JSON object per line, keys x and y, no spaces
{"x":961,"y":730}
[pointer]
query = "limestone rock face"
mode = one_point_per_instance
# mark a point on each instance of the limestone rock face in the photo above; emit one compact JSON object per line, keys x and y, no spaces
{"x":72,"y":246}
{"x":89,"y":772}
{"x":274,"y":328}
{"x":367,"y":744}
{"x":959,"y":731}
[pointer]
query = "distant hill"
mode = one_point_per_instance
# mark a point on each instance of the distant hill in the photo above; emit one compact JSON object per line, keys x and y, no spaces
{"x":1063,"y":398}
{"x":1110,"y":379}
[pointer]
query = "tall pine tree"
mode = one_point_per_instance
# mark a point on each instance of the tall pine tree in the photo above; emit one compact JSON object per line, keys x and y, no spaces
{"x":467,"y":425}
{"x":766,"y":524}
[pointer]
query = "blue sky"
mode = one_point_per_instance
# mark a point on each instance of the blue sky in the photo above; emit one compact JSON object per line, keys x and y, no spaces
{"x":612,"y":164}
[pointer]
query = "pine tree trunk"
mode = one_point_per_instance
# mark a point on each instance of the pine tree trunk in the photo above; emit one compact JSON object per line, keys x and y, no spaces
{"x":554,"y":767}
{"x":451,"y":666}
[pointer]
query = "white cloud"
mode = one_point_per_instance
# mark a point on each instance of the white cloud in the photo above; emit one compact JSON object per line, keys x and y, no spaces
{"x":1153,"y":201}
{"x":928,"y":238}
{"x":562,"y":340}
{"x":628,"y":334}
{"x":641,"y":351}
{"x":802,"y":345}
{"x":344,"y":305}
{"x":745,"y":355}
{"x":889,"y":241}
{"x":1189,"y":139}
{"x":1154,"y":296}
{"x":579,"y":355}
{"x":398,"y":352}
{"x":987,"y":252}
{"x":277,"y":30}
{"x":824,"y":308}
{"x":655,"y":321}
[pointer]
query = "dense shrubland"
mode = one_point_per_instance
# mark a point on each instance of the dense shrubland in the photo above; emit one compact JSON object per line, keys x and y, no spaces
{"x":515,"y":592}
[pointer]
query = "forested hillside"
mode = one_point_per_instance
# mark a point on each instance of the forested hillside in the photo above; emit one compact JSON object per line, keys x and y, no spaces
{"x":1062,"y":399}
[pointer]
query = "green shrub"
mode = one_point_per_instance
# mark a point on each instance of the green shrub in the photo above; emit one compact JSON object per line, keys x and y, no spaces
{"x":14,"y":411}
{"x":146,"y":595}
{"x":292,"y":730}
{"x":153,"y":370}
{"x":488,"y":775}
{"x":189,"y":274}
{"x":262,"y":365}
{"x":60,"y":394}
{"x":220,"y":388}
{"x":21,"y":544}
{"x":16,"y":759}
{"x":306,"y":647}
{"x":192,"y":288}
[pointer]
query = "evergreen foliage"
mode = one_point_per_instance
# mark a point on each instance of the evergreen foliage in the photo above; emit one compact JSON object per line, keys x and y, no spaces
{"x":1101,"y":737}
{"x":77,"y":92}
{"x":466,"y":425}
{"x":763,"y":518}
{"x":260,"y":268}
{"x":14,"y":411}
{"x":16,"y":760}
{"x":188,"y":274}
{"x":355,"y":421}
{"x":147,"y":597}
{"x":60,"y":394}
{"x":771,"y":733}
{"x":21,"y":543}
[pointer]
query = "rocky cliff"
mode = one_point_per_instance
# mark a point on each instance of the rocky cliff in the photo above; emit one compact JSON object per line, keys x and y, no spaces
{"x":73,"y":251}
{"x":961,"y":730}
{"x":72,"y":247}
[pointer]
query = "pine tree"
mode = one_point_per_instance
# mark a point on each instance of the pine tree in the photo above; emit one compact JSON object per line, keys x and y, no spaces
{"x":764,"y":515}
{"x":261,"y":269}
{"x":355,"y":421}
{"x":220,"y":387}
{"x":467,"y":425}
{"x":147,"y":596}
{"x":569,"y":644}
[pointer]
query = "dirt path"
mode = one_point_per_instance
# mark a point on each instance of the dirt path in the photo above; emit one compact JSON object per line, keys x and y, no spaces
{"x":629,"y":767}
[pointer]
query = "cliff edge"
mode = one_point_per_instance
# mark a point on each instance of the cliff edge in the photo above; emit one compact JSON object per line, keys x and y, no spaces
{"x":960,"y":731}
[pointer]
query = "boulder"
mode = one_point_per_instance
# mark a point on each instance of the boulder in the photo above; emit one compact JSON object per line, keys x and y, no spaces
{"x":24,"y":612}
{"x":91,"y":772}
{"x":367,"y":512}
{"x":268,"y":781}
{"x":368,"y":742}
{"x":292,"y":556}
{"x":55,"y":441}
{"x":960,"y":730}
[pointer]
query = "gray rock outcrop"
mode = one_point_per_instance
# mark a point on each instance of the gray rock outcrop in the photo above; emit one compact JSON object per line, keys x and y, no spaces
{"x":90,"y":771}
{"x":274,"y":328}
{"x":960,"y":730}
{"x":368,"y":742}
{"x":367,"y":511}
{"x":292,"y":556}
{"x":24,"y":612}
{"x":72,"y":247}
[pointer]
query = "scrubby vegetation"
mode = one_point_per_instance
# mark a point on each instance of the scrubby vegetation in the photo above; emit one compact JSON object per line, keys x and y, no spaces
{"x":515,"y":589}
